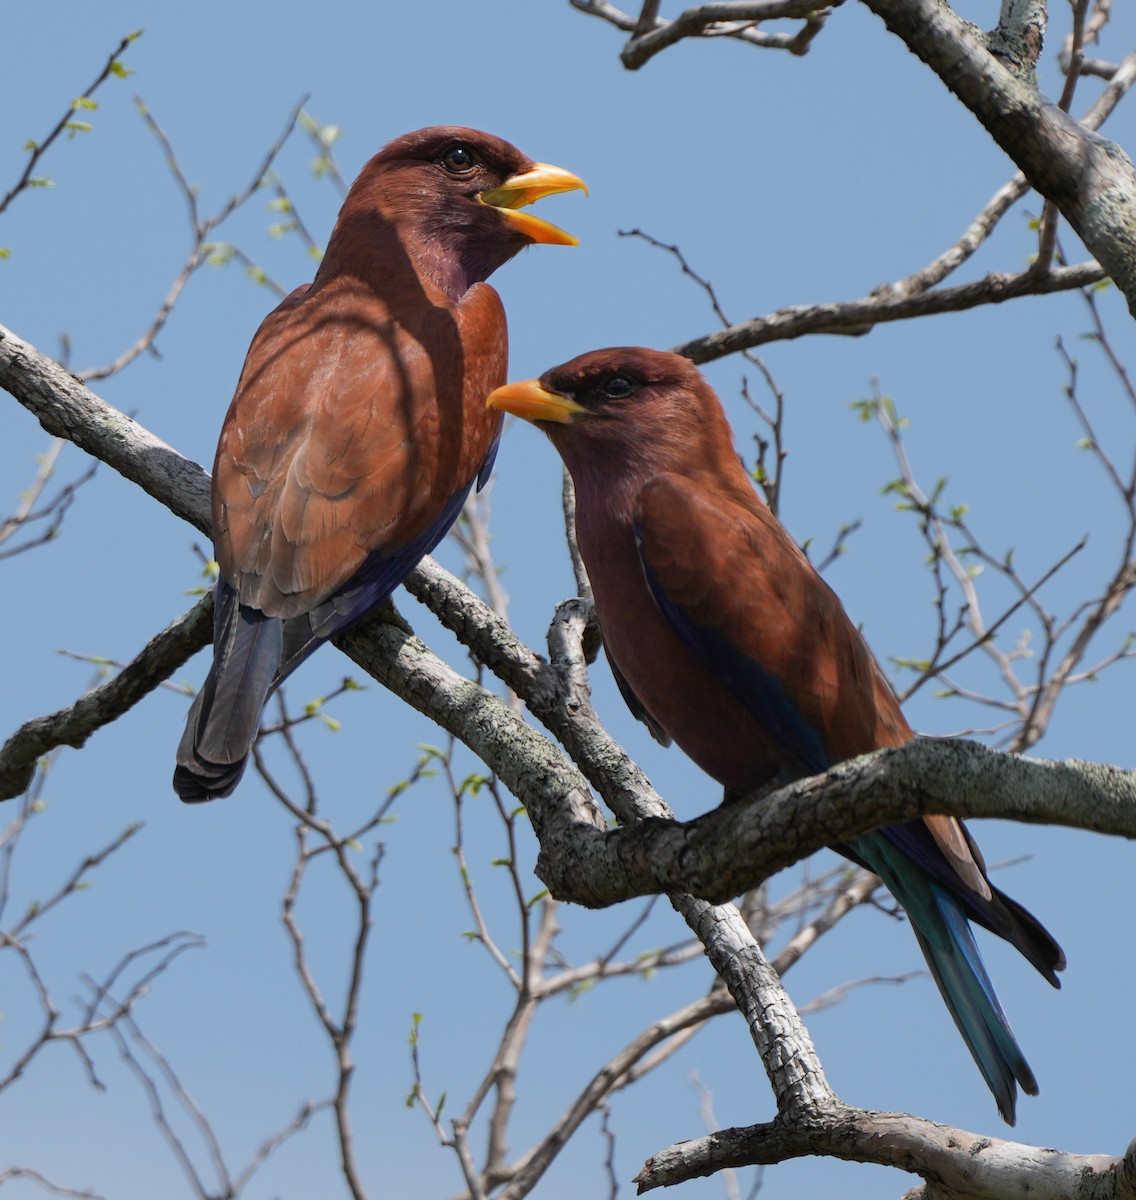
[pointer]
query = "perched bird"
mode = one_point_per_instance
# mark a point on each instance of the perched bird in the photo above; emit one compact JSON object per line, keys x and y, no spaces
{"x":723,"y":637}
{"x":359,"y":421}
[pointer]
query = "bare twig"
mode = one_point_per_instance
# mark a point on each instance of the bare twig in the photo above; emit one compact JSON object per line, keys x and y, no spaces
{"x":53,"y":511}
{"x":36,"y":150}
{"x":202,"y":228}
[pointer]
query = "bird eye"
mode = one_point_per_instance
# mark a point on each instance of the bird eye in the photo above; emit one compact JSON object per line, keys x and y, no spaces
{"x":458,"y":160}
{"x":617,"y":387}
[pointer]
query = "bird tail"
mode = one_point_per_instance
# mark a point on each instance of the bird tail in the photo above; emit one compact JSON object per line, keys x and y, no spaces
{"x":939,"y":919}
{"x":225,"y":715}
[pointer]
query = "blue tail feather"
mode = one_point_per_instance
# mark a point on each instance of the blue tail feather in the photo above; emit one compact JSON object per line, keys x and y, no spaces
{"x":940,"y":923}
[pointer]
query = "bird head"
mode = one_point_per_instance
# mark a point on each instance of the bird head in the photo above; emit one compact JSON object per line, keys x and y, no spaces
{"x":459,"y":193}
{"x":626,"y":413}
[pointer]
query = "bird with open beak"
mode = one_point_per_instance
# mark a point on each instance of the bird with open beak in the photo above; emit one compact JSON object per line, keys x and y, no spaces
{"x":722,"y":636}
{"x":359,"y":423}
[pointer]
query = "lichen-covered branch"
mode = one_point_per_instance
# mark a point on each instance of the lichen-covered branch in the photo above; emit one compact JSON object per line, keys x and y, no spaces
{"x":956,"y":1164}
{"x":1090,"y":179}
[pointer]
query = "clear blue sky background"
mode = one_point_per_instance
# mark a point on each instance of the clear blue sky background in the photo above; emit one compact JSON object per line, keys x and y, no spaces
{"x":785,"y":181}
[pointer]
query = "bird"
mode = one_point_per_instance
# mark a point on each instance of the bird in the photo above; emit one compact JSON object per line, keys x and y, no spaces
{"x":723,"y":637}
{"x":358,"y":426}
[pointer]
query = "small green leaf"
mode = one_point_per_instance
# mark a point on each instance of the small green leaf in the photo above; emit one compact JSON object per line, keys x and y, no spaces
{"x":330,"y":722}
{"x":472,"y":784}
{"x":578,"y":991}
{"x":84,"y":102}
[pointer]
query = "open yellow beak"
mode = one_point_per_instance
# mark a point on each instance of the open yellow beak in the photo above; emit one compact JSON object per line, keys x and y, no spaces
{"x":529,"y":186}
{"x":529,"y":400}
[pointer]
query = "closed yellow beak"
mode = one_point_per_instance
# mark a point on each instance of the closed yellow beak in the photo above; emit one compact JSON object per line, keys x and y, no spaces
{"x":529,"y":400}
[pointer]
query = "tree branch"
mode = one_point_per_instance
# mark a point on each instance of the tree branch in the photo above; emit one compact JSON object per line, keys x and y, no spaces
{"x":73,"y":725}
{"x":859,"y":316}
{"x":958,"y":1164}
{"x":1091,"y":180}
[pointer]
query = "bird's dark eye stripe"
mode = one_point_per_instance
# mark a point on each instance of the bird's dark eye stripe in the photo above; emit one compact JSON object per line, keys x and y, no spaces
{"x":458,"y":160}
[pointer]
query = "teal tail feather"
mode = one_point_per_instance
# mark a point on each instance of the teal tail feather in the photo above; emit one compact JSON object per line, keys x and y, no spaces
{"x":939,"y":920}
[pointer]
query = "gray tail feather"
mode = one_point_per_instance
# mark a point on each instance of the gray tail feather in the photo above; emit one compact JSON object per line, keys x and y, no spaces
{"x":225,"y":716}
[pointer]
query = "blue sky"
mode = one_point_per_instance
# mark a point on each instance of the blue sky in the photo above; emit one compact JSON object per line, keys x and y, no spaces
{"x":784,"y":181}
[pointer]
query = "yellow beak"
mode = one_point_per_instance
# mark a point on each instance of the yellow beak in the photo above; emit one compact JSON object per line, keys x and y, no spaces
{"x":529,"y":400}
{"x":529,"y":186}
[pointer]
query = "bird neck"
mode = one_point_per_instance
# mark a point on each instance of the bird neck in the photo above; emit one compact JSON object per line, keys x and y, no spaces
{"x":605,"y":522}
{"x":402,"y":253}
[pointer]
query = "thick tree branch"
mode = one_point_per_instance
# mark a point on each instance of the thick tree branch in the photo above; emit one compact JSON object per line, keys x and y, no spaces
{"x":65,"y":408}
{"x":955,"y":1163}
{"x":1091,"y":180}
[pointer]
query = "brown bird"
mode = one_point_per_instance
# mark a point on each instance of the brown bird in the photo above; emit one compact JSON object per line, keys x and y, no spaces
{"x":359,"y":422}
{"x":723,"y":637}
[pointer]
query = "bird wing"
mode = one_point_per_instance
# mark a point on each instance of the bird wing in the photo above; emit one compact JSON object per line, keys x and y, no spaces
{"x":743,"y":598}
{"x":637,"y":707}
{"x":351,"y":443}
